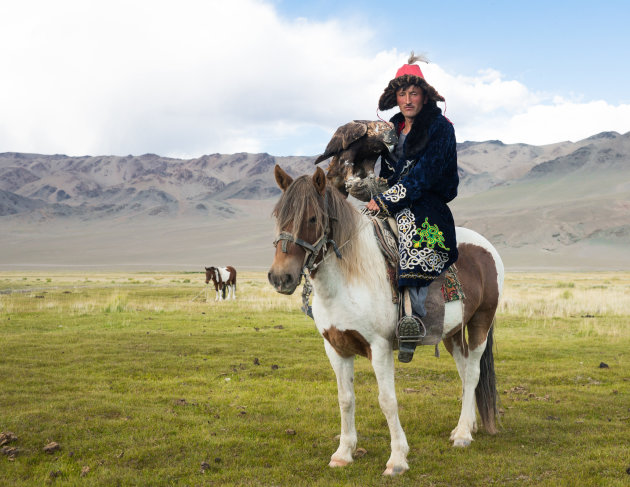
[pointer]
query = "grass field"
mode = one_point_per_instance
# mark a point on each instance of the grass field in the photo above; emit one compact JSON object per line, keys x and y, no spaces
{"x":141,"y":382}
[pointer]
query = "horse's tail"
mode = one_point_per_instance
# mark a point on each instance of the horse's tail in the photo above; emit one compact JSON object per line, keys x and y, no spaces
{"x":486,"y":391}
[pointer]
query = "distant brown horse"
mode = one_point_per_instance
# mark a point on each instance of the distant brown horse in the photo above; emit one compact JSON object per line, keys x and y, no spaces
{"x":224,"y":280}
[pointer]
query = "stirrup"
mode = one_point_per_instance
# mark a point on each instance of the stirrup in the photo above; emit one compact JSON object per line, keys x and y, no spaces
{"x":409,"y":334}
{"x":411,"y":329}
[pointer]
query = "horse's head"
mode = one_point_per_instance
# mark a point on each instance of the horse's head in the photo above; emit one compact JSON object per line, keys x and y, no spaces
{"x":209,"y":274}
{"x":303,"y":226}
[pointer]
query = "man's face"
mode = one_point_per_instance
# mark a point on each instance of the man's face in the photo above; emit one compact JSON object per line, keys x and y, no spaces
{"x":410,"y":101}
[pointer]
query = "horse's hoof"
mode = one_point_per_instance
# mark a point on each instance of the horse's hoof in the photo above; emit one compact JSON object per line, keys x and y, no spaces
{"x":395,"y":470}
{"x":334,"y":463}
{"x":462,"y":442}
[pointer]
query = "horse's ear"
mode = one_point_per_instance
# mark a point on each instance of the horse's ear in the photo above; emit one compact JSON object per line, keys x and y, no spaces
{"x":319,"y":180}
{"x":282,"y":178}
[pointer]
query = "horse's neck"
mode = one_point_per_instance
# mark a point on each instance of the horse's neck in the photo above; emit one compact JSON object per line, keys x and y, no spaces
{"x":362,"y":261}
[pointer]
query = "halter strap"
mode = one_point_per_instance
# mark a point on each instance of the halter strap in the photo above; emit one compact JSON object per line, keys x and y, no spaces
{"x":312,"y":251}
{"x":285,"y":237}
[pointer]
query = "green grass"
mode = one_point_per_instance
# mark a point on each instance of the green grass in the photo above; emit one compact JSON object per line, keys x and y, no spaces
{"x":139,"y":379}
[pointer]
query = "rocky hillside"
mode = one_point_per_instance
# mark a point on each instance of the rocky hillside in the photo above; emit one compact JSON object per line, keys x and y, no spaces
{"x":543,"y":206}
{"x":573,"y":207}
{"x":49,"y":186}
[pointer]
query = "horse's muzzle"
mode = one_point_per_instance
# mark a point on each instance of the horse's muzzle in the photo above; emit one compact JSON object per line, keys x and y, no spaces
{"x":283,"y":283}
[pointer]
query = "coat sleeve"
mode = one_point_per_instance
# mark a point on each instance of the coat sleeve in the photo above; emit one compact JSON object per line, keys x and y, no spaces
{"x":426,"y":174}
{"x":386,"y":169}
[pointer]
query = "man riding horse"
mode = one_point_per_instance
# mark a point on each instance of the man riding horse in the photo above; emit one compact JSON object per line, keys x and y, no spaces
{"x":422,"y":179}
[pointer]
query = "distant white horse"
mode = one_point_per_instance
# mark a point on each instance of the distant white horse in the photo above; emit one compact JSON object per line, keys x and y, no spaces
{"x":224,"y":280}
{"x":353,"y":309}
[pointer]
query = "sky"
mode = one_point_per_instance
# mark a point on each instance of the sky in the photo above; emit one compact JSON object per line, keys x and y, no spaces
{"x":184,"y":78}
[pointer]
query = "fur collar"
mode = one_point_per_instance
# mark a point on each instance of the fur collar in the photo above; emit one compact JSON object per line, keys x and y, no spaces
{"x":418,"y":136}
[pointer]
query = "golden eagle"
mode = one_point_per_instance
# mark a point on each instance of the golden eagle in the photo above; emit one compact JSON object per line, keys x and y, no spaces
{"x":354,"y":149}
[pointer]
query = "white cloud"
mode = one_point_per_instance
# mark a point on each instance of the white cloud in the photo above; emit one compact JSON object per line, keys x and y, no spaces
{"x":195,"y":76}
{"x":488,"y":107}
{"x":560,"y":121}
{"x":188,"y":77}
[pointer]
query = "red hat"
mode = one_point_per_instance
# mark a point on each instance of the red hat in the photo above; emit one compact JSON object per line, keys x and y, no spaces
{"x":407,"y":75}
{"x":411,"y":69}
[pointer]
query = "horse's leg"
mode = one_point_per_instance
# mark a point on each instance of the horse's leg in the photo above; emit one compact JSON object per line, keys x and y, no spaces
{"x":460,"y":361}
{"x":218,"y":293}
{"x":462,"y":434}
{"x":234,"y":291}
{"x":344,"y":370}
{"x":468,"y":358}
{"x":383,"y":365}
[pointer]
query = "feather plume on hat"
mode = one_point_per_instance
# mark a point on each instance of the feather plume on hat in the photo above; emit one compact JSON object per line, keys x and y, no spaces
{"x":414,"y":58}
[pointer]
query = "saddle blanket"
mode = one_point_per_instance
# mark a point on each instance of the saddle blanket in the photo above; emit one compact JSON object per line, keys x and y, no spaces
{"x":452,"y":288}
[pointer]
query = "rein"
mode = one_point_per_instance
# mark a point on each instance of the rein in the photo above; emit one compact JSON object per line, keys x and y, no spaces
{"x":308,"y":287}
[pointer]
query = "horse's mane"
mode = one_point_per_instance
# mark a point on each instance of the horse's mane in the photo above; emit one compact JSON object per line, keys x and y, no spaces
{"x":290,"y":212}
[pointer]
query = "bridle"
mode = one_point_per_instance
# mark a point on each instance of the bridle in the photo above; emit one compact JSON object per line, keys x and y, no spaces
{"x":312,"y":252}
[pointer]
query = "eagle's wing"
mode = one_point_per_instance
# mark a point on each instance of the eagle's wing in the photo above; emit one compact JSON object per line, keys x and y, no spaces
{"x":343,"y":137}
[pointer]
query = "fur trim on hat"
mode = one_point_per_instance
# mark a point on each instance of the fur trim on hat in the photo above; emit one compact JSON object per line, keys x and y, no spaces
{"x":388,"y":98}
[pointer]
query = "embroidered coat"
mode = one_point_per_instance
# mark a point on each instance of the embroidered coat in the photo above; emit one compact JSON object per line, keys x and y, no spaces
{"x":421,"y":183}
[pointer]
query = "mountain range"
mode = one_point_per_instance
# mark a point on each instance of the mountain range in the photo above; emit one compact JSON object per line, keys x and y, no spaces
{"x":557,"y":206}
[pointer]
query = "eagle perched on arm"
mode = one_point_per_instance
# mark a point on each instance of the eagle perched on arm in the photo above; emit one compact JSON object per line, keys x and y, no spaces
{"x":354,"y":149}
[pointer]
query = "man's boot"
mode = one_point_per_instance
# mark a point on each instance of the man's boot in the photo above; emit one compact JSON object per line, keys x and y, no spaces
{"x":410,"y":331}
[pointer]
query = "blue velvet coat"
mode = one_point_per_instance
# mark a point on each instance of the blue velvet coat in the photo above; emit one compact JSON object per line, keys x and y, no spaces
{"x":421,"y":183}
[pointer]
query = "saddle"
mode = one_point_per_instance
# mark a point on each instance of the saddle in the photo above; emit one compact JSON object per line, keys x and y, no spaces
{"x":445,"y":288}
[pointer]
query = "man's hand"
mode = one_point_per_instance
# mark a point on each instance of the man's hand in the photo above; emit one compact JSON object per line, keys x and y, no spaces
{"x":372,"y":206}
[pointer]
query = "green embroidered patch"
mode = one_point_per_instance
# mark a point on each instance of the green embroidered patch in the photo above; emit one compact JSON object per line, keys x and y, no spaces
{"x":429,"y":234}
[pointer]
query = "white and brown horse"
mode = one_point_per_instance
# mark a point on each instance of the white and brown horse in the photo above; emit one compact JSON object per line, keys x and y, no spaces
{"x":353,"y":309}
{"x":224,"y":280}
